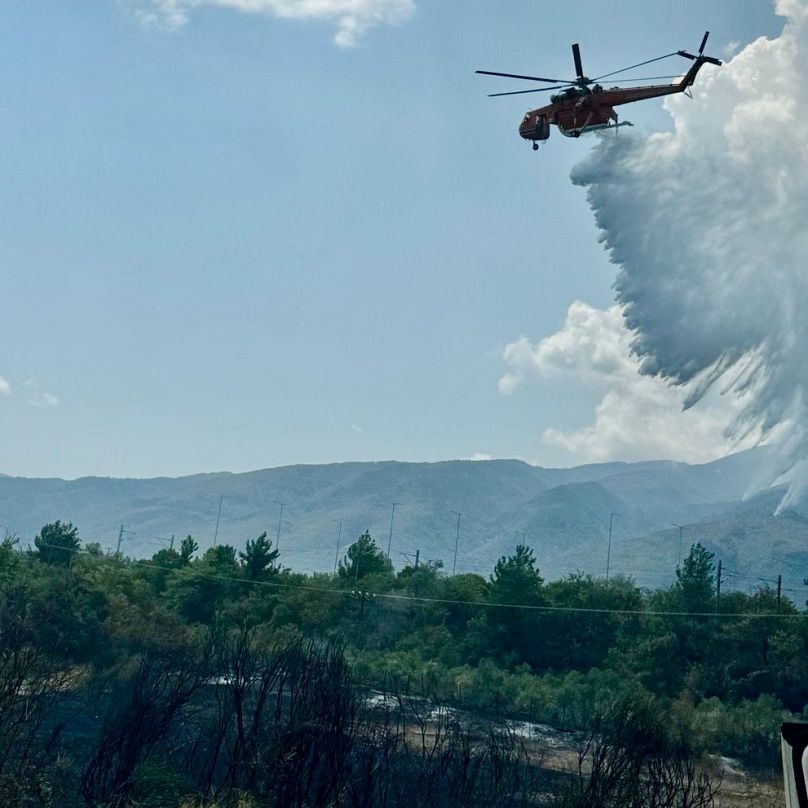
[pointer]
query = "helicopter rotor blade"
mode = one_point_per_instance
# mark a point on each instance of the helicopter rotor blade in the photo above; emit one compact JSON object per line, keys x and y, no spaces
{"x":525,"y":78}
{"x":652,"y":78}
{"x":537,"y":90}
{"x":576,"y":55}
{"x":703,"y":42}
{"x":639,"y":64}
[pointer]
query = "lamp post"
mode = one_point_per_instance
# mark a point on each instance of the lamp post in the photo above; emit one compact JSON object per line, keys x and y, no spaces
{"x":609,"y":551}
{"x":679,"y":559}
{"x":280,"y":522}
{"x":218,"y":518}
{"x":390,"y":537}
{"x":339,"y":536}
{"x":457,"y":541}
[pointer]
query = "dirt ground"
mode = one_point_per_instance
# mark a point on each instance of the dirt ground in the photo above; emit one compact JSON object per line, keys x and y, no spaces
{"x":739,"y":788}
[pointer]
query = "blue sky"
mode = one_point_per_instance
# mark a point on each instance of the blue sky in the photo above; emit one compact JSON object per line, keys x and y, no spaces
{"x":236,"y":244}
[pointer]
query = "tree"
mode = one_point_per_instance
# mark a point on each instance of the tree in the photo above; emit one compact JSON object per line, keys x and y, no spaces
{"x":423,"y":580}
{"x":516,"y":579}
{"x":516,"y":582}
{"x":57,"y":543}
{"x":187,"y":550}
{"x":166,"y":557}
{"x":695,"y":580}
{"x":8,"y":559}
{"x":221,"y":559}
{"x":362,"y":559}
{"x":258,"y":559}
{"x":198,"y":590}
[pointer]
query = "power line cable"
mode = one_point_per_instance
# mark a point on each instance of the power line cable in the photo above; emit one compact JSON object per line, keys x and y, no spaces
{"x":455,"y":602}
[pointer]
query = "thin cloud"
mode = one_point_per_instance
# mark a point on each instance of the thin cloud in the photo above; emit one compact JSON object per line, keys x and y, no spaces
{"x":353,"y":18}
{"x":39,"y":398}
{"x":5,"y":387}
{"x":44,"y":400}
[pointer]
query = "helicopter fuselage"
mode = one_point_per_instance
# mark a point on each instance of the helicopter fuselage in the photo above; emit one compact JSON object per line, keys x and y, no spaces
{"x":577,"y":110}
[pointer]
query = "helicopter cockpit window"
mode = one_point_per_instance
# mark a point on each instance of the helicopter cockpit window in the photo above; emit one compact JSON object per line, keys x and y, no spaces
{"x":527,"y":118}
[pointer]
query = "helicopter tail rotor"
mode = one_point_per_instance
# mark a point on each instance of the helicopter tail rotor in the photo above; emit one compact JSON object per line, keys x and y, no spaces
{"x":701,"y":57}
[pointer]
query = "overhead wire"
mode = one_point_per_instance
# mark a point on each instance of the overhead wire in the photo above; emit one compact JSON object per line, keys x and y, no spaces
{"x":450,"y":601}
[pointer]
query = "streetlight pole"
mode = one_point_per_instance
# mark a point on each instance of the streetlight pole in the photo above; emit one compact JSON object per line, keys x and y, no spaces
{"x":336,"y":555}
{"x":679,"y":559}
{"x":218,"y":517}
{"x":609,"y":551}
{"x":457,"y":541}
{"x":390,"y":537}
{"x":280,"y":521}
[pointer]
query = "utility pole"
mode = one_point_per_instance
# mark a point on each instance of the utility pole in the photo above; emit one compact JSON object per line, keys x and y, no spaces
{"x":679,"y":558}
{"x":718,"y":588}
{"x":779,"y":590}
{"x":280,"y":520}
{"x":457,"y":541}
{"x":164,"y":541}
{"x":363,"y":598}
{"x":609,"y":551}
{"x":218,"y":517}
{"x":336,"y":555}
{"x":390,"y":537}
{"x":417,"y":556}
{"x":522,"y":534}
{"x":121,"y":533}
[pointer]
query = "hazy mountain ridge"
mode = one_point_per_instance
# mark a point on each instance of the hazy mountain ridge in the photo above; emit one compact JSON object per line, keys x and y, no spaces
{"x":563,"y":513}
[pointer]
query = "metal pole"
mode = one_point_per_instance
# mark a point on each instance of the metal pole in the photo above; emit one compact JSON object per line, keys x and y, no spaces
{"x":457,"y":542}
{"x":679,"y":559}
{"x":280,"y":520}
{"x":718,"y":589}
{"x":120,"y":539}
{"x":390,"y":537}
{"x":336,"y":555}
{"x":609,"y":551}
{"x":218,"y":517}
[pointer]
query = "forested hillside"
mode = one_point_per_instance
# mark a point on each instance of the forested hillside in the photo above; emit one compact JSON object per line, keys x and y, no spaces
{"x":563,"y":513}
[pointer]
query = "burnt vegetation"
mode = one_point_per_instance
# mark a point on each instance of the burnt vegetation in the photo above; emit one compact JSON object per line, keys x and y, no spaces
{"x":227,"y":680}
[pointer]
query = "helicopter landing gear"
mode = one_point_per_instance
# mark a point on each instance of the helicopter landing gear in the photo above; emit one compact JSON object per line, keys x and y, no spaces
{"x":535,"y":146}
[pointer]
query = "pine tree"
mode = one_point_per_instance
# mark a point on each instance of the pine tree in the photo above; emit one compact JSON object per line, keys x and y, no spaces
{"x":362,"y":559}
{"x":57,"y":543}
{"x":695,"y":581}
{"x":258,"y":559}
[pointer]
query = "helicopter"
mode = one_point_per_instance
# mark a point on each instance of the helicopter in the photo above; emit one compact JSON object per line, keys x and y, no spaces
{"x":584,"y":105}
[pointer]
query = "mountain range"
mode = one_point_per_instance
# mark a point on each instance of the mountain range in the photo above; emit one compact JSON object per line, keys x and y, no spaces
{"x":564,"y":514}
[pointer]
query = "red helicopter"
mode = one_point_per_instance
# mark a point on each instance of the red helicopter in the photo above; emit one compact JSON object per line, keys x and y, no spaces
{"x":584,"y":105}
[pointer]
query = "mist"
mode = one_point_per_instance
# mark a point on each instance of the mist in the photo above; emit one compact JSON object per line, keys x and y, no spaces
{"x":708,"y":226}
